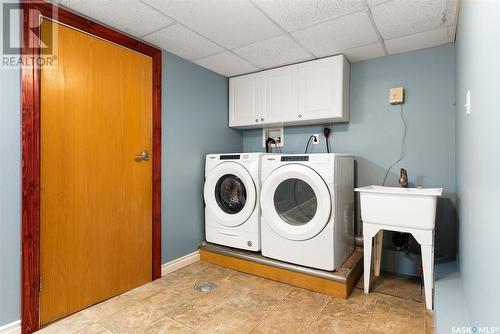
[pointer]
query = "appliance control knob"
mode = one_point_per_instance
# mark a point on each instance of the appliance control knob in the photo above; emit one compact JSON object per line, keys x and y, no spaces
{"x":256,"y":120}
{"x":300,"y":115}
{"x":249,"y":243}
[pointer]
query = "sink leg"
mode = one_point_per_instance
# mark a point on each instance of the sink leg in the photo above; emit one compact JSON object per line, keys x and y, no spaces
{"x":367,"y":257}
{"x":377,"y":256}
{"x":428,"y":266}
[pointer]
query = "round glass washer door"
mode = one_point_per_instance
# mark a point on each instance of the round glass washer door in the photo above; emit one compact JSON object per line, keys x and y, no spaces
{"x":295,"y":202}
{"x":230,"y":193}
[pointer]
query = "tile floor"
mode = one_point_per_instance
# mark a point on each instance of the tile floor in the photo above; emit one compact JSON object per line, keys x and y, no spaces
{"x":244,"y":303}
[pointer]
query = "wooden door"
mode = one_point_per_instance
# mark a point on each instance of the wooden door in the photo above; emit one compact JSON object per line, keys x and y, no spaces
{"x":95,"y":196}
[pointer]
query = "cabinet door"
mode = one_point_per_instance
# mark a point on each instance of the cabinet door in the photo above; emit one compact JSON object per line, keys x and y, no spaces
{"x":321,"y":87}
{"x":279,"y":95}
{"x":243,"y":100}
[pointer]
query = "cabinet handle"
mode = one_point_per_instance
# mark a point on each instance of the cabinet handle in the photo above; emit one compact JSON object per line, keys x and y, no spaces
{"x":262,"y":119}
{"x":256,"y":120}
{"x":300,"y":115}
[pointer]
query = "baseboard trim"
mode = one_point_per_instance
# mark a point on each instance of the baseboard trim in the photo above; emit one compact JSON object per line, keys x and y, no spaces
{"x":179,"y":263}
{"x":12,"y":328}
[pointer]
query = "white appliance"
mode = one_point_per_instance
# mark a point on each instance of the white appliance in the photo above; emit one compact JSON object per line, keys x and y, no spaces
{"x":232,"y":210}
{"x":307,"y":204}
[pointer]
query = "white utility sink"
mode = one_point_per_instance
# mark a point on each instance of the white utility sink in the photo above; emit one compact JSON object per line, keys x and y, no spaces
{"x":408,"y":210}
{"x":403,"y":207}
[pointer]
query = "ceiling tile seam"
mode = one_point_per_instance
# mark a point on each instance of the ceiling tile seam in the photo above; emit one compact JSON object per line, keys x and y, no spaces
{"x":281,"y":28}
{"x":156,"y":30}
{"x":374,"y":26}
{"x":420,"y":32}
{"x":326,"y":20}
{"x":443,"y":26}
{"x":193,"y":31}
{"x":157,"y":10}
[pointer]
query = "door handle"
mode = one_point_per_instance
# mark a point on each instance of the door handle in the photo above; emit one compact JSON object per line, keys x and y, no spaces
{"x":143,"y":156}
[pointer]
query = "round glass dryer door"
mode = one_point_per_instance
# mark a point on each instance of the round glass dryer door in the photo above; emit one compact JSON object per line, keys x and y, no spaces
{"x":230,"y":194}
{"x":295,"y":202}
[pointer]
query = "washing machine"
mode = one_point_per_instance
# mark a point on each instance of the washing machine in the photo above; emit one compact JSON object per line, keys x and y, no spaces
{"x":307,"y":204}
{"x":231,"y":192}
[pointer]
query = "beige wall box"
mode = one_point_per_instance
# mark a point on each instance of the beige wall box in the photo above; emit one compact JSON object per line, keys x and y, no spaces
{"x":396,"y":95}
{"x":313,"y":92}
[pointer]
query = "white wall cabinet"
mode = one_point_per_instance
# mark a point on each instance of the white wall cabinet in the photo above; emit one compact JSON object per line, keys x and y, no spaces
{"x":313,"y":92}
{"x":244,"y":100}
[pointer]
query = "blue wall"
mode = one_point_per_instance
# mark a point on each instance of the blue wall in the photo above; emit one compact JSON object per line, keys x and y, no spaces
{"x":195,"y":118}
{"x":374,"y":131}
{"x":478,"y":158}
{"x":10,"y":194}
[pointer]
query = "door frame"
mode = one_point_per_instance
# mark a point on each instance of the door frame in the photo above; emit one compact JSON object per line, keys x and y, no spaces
{"x":30,"y":83}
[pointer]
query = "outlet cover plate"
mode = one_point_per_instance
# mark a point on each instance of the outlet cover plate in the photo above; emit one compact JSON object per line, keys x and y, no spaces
{"x":275,"y":133}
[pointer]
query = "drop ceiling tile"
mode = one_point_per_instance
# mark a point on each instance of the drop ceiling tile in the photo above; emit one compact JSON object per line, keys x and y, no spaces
{"x":376,"y":2}
{"x":404,"y":17}
{"x":274,"y":52}
{"x":418,"y":41}
{"x":336,"y":35}
{"x":130,"y":16}
{"x":364,"y":52}
{"x":183,"y":42}
{"x":230,"y":23}
{"x":227,"y":64}
{"x":294,"y":15}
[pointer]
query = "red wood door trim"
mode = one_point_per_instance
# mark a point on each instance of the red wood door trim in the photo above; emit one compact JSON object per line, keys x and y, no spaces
{"x":30,"y":77}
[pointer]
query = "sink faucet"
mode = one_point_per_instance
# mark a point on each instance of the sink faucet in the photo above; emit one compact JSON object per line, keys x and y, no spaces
{"x":403,"y":178}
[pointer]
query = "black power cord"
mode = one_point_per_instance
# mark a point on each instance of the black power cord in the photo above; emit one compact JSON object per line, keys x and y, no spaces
{"x":309,"y":143}
{"x":326,"y":132}
{"x":268,"y":146}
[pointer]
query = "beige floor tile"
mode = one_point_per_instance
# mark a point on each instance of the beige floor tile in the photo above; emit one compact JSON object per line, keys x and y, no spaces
{"x":92,"y":329}
{"x":385,"y":283}
{"x":397,"y":315}
{"x":196,"y":267}
{"x":329,"y":325}
{"x":243,"y":303}
{"x":294,"y":314}
{"x":164,"y":325}
{"x":164,"y":300}
{"x":107,"y":308}
{"x":134,"y":319}
{"x":144,"y":291}
{"x":409,"y":288}
{"x":357,"y":309}
{"x":195,"y":311}
{"x":429,"y":322}
{"x":229,"y":321}
{"x":69,"y":324}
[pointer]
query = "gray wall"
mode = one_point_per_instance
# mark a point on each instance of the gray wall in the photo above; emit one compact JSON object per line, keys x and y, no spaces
{"x":478,"y":158}
{"x":10,"y":194}
{"x":195,"y":118}
{"x":375,"y":129}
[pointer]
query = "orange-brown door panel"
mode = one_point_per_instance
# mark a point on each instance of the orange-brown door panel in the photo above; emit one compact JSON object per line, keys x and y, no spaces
{"x":95,"y":195}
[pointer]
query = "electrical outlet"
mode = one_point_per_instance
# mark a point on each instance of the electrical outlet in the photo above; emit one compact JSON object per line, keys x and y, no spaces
{"x":316,"y":139}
